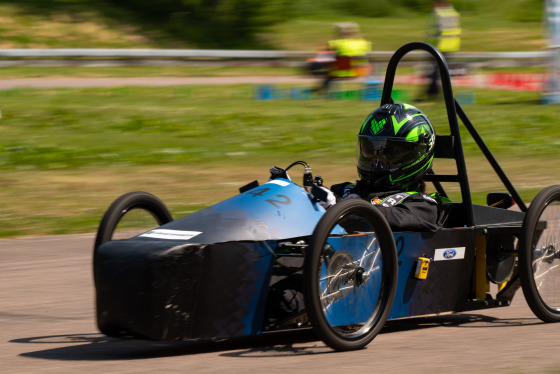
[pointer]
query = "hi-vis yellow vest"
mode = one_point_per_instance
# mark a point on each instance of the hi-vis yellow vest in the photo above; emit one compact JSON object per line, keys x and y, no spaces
{"x":354,"y":49}
{"x":447,"y":37}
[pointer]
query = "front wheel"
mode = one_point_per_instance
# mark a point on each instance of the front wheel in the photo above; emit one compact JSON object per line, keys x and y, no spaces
{"x":148,"y":212}
{"x":539,"y":255}
{"x":350,"y":275}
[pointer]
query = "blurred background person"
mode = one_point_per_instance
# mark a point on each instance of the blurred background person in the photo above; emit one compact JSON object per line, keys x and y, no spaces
{"x":444,"y":33}
{"x":349,"y":55}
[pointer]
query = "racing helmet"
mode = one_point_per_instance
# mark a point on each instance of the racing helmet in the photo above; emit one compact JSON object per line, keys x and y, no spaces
{"x":395,"y":147}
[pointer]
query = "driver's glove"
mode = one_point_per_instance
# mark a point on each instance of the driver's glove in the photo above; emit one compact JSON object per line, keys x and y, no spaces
{"x":322,"y":195}
{"x":329,"y":199}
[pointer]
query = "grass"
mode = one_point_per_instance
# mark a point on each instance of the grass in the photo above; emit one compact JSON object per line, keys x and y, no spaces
{"x":481,"y":33}
{"x":67,"y":153}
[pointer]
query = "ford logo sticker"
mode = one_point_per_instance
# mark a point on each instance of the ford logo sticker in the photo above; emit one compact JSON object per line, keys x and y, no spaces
{"x":446,"y":254}
{"x":450,"y":253}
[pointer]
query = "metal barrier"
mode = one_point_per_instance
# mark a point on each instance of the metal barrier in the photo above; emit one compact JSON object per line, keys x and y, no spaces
{"x":209,"y":55}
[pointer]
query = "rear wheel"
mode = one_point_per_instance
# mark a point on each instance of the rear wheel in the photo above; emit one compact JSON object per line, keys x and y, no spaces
{"x":143,"y":211}
{"x":539,"y":255}
{"x":350,"y":275}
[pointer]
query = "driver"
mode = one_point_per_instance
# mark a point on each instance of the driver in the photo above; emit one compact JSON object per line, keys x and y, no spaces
{"x":395,"y":149}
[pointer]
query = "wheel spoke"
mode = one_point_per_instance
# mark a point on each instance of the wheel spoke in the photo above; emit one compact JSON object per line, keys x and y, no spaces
{"x":348,"y":288}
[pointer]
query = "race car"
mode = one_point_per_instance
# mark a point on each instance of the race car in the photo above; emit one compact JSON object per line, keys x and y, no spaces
{"x":272,"y":258}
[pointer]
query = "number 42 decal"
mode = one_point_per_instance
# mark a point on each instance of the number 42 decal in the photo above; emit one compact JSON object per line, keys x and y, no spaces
{"x":282,"y":199}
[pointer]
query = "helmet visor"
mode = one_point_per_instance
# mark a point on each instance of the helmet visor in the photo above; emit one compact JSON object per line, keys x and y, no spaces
{"x":377,"y":153}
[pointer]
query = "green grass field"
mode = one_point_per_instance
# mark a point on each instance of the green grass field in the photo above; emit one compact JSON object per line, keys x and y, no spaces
{"x":67,"y":153}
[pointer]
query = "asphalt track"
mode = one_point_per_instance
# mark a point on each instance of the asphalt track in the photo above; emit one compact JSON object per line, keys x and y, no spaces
{"x":47,"y":322}
{"x":6,"y":84}
{"x":47,"y":326}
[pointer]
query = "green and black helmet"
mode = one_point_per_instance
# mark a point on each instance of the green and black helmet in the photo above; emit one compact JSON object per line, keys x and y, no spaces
{"x":395,"y":147}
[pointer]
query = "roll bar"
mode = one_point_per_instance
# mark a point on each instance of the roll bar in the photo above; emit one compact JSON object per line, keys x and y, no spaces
{"x":454,"y":139}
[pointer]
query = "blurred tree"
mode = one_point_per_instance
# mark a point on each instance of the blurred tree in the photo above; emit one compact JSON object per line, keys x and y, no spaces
{"x":419,"y":5}
{"x":378,"y":8}
{"x":214,"y":23}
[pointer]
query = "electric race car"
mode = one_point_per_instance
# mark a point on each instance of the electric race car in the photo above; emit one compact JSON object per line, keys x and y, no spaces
{"x":271,"y":258}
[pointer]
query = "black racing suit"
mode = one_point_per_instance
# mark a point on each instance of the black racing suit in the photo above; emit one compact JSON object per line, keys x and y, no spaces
{"x":404,"y":211}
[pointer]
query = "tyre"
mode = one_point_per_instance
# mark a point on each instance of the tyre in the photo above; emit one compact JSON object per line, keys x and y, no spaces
{"x":148,"y":212}
{"x":350,"y":275}
{"x":539,"y":255}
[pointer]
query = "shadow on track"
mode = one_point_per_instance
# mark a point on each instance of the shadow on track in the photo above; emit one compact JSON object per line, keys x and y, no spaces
{"x":97,"y":347}
{"x":457,"y":320}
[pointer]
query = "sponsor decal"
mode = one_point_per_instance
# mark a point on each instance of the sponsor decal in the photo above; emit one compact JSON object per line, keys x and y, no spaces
{"x":170,"y":234}
{"x":449,"y":253}
{"x":444,"y":254}
{"x":394,"y":199}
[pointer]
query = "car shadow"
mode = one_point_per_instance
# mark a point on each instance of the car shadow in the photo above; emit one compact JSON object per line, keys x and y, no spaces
{"x":456,"y":320}
{"x":98,"y":347}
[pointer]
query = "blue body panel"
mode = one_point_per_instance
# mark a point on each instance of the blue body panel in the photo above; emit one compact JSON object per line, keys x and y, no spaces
{"x":215,"y":267}
{"x":280,"y":210}
{"x":276,"y":210}
{"x":447,"y":284}
{"x":444,"y":290}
